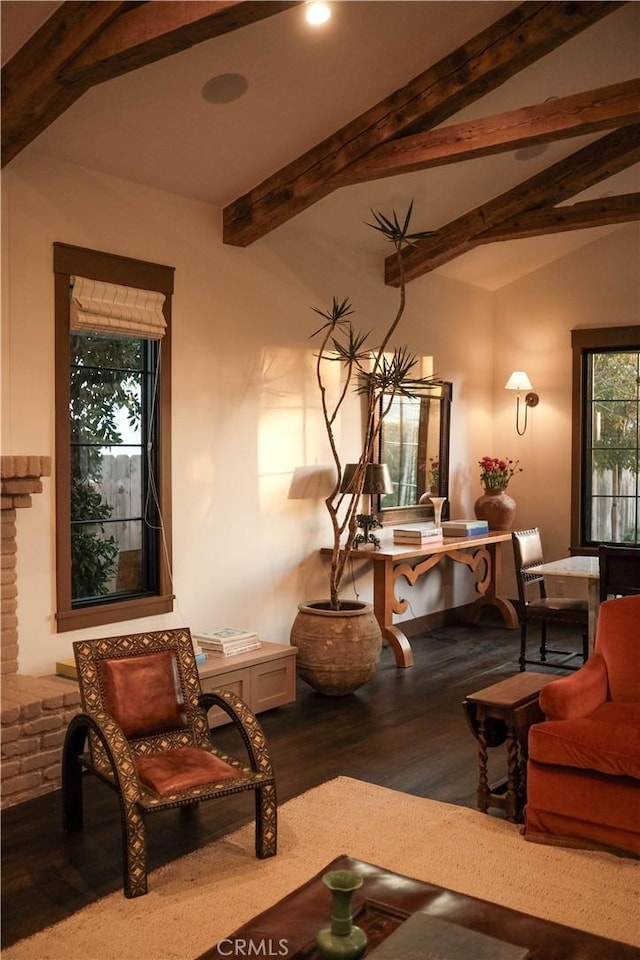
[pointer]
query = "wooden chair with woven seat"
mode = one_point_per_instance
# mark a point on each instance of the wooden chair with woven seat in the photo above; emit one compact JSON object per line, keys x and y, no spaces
{"x":619,"y":571}
{"x":145,"y":720}
{"x":536,"y":606}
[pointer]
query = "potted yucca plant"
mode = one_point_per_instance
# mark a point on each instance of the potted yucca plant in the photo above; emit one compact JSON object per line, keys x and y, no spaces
{"x":339,"y":640}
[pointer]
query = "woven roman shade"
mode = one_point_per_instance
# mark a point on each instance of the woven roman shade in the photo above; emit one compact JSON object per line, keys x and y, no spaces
{"x":115,"y":310}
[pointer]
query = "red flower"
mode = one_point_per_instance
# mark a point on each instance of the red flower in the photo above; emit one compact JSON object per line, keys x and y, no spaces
{"x":495,"y":472}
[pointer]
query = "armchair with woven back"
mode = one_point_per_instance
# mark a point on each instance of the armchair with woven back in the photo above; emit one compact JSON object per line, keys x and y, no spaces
{"x":144,"y":722}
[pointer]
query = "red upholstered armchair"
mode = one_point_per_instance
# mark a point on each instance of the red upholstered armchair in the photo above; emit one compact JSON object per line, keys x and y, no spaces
{"x":583,"y":770}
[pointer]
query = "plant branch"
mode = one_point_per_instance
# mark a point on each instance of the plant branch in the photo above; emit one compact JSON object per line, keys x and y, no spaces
{"x":371,"y":375}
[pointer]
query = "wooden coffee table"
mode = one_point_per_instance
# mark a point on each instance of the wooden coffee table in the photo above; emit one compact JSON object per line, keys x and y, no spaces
{"x":384,"y":901}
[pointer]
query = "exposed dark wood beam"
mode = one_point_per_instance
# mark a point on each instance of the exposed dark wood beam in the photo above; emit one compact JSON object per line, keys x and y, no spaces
{"x":567,"y":178}
{"x":158,"y":29}
{"x":32,"y":96}
{"x":86,"y":42}
{"x":588,"y":112}
{"x":487,"y":60}
{"x":577,"y":216}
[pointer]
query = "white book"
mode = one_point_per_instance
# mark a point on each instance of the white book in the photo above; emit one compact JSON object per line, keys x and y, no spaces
{"x":225,"y":634}
{"x":232,"y":645}
{"x":466,"y":525}
{"x":245,"y":648}
{"x":419,"y":532}
{"x":398,"y":538}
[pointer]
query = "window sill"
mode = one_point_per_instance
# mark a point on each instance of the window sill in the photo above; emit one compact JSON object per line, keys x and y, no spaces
{"x":113,"y":612}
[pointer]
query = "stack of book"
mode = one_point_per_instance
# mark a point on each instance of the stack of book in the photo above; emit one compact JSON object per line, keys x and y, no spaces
{"x":464,"y":528}
{"x":418,"y":534}
{"x":227,"y":641}
{"x":67,"y":668}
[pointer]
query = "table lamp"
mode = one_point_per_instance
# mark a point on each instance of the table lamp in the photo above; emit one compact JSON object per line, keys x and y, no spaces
{"x":377,"y":482}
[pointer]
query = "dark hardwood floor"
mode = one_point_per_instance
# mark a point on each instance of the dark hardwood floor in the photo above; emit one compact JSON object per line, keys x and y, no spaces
{"x":404,"y":730}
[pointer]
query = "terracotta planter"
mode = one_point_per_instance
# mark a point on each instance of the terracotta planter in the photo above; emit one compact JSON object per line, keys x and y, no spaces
{"x":497,"y":508}
{"x":338,"y":650}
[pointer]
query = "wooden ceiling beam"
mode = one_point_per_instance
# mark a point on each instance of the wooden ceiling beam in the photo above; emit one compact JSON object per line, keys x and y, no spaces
{"x":506,"y":47}
{"x":157,"y":29}
{"x":32,"y":96}
{"x":86,"y":42}
{"x":606,"y":108}
{"x":567,"y":178}
{"x":576,"y":216}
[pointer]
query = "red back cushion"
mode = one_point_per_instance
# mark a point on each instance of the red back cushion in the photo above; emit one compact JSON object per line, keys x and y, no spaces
{"x":618,"y":641}
{"x":143,"y":693}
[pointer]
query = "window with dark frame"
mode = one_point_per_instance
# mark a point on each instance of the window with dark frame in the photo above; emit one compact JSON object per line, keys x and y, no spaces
{"x":606,"y":443}
{"x":114,"y":445}
{"x":113,"y":503}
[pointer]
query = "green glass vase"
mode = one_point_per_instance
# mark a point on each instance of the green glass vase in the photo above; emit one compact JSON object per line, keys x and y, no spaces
{"x":343,"y":940}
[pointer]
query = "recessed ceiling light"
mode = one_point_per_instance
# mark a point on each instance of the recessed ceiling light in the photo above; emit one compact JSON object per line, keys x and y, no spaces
{"x":317,"y":13}
{"x":225,"y":88}
{"x":530,"y":153}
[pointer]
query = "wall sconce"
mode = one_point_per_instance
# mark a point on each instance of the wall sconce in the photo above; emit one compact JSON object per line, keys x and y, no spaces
{"x":520,"y":381}
{"x":377,"y":481}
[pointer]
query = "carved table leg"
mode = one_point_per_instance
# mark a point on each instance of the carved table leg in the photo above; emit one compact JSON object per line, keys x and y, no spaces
{"x":486,"y":563}
{"x":400,"y":646}
{"x":383,"y":602}
{"x":512,"y":805}
{"x":483,"y":780}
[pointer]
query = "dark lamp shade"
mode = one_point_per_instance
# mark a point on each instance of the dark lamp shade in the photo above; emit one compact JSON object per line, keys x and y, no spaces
{"x":377,"y":479}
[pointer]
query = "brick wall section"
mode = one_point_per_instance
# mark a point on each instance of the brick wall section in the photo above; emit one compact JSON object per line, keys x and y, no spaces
{"x":35,"y":710}
{"x":35,"y":714}
{"x":19,"y":478}
{"x":8,"y":584}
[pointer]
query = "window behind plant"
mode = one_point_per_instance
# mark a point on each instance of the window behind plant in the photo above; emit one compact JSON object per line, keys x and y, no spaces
{"x":606,"y":504}
{"x":399,"y":450}
{"x":112,"y":437}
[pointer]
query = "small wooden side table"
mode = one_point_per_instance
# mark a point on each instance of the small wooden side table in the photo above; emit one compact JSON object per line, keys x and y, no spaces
{"x":499,"y":713}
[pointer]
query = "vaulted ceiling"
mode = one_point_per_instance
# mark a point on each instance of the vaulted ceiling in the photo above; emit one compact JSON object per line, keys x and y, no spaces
{"x":504,"y":122}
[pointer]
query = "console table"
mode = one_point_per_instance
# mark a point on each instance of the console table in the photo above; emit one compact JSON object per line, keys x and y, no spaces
{"x":384,"y":901}
{"x":392,"y":561}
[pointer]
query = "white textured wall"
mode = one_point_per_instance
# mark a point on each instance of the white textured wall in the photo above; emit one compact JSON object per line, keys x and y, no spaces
{"x":596,"y":286}
{"x":245,"y":406}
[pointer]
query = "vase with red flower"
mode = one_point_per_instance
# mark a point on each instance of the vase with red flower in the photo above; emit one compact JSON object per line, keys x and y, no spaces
{"x":495,"y":505}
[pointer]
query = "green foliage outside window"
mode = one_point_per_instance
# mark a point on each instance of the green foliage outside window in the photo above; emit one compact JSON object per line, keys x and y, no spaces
{"x":104,"y":380}
{"x":94,"y":556}
{"x":615,"y":405}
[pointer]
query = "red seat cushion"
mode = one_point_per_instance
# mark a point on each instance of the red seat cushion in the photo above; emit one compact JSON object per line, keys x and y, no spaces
{"x":607,"y":740}
{"x":182,"y":769}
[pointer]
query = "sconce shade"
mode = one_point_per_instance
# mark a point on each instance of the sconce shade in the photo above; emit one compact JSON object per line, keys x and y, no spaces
{"x":377,"y":479}
{"x":518,"y":381}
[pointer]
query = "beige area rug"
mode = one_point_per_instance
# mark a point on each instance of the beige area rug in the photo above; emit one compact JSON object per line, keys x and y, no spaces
{"x":201,"y":898}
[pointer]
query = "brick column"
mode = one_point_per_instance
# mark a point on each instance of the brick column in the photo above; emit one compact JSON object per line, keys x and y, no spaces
{"x":20,"y":478}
